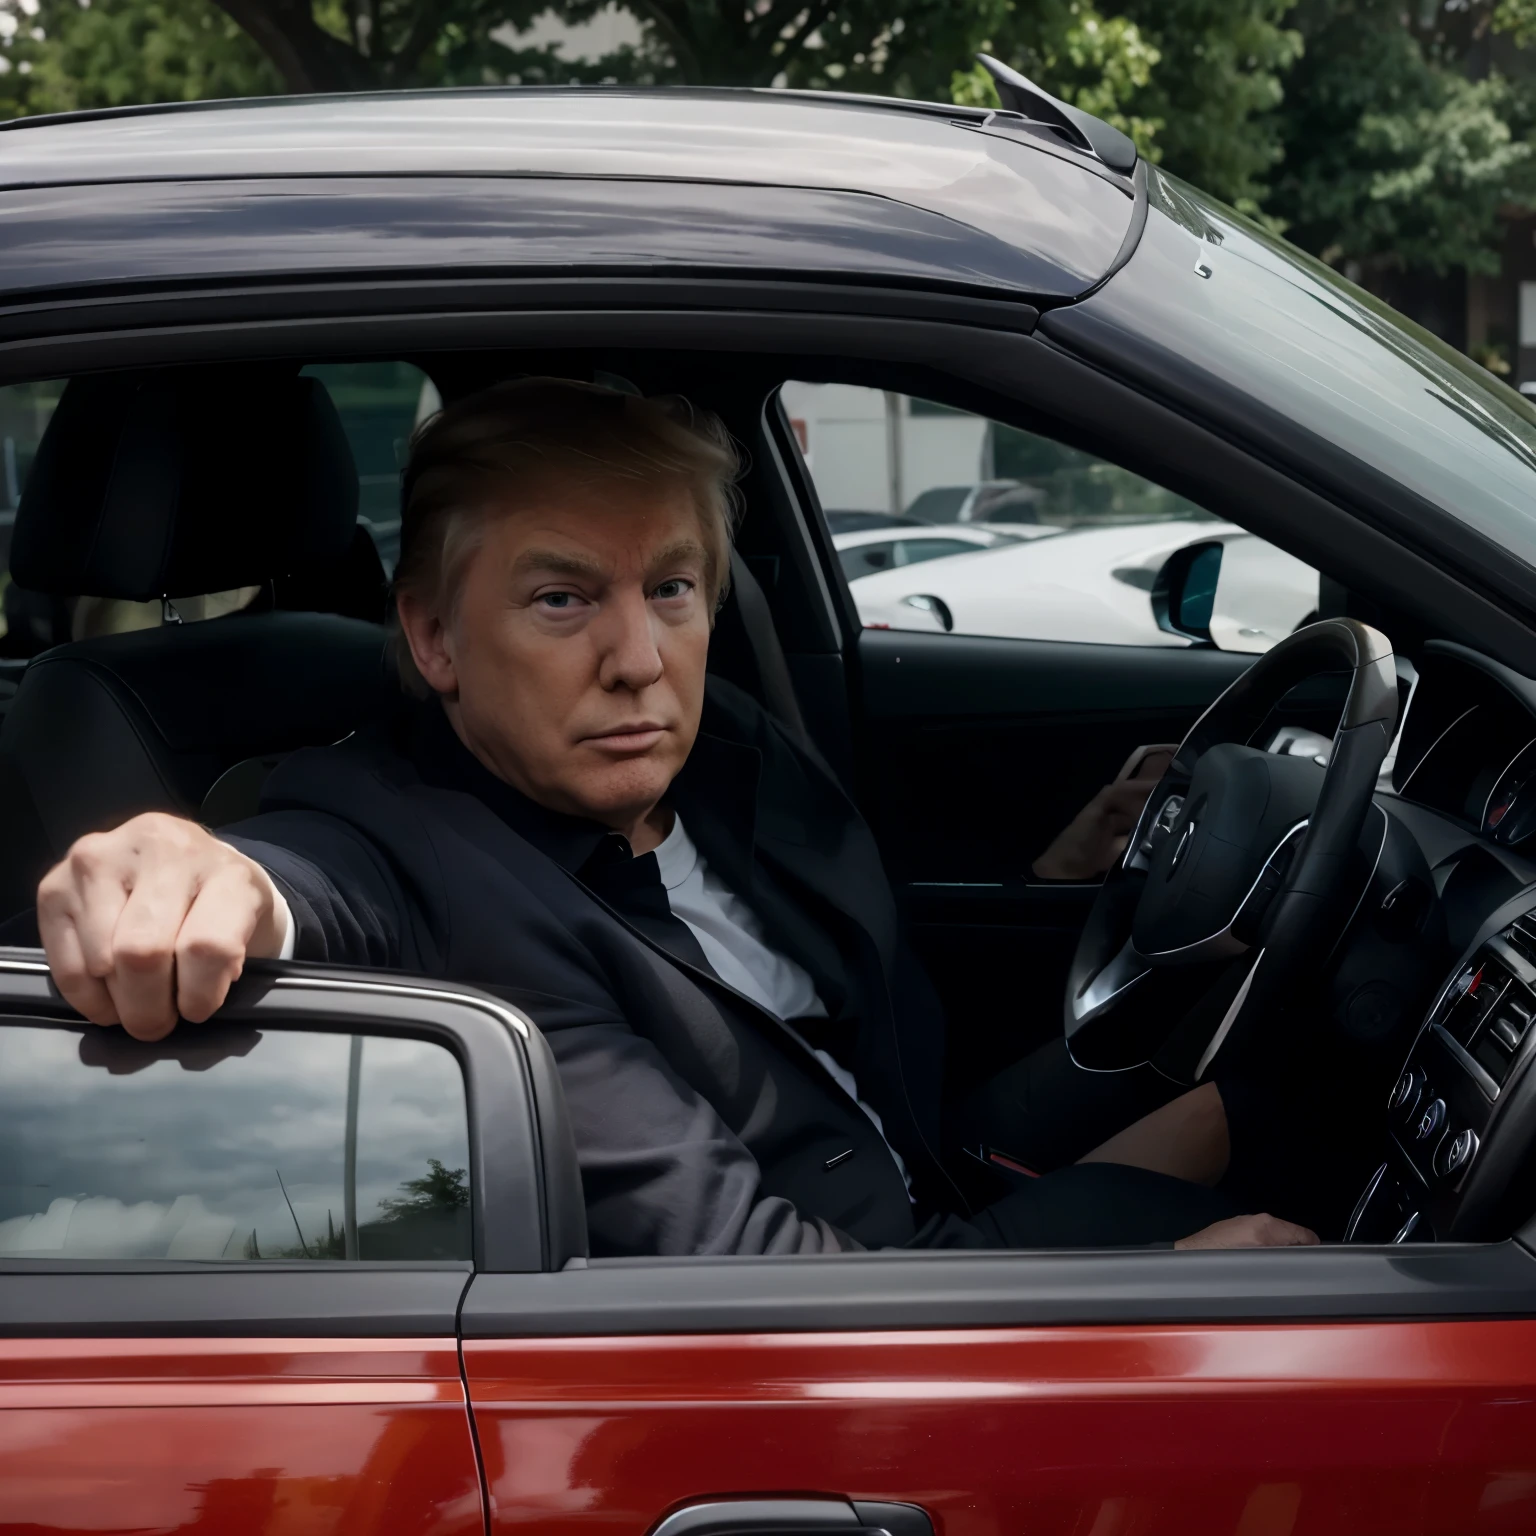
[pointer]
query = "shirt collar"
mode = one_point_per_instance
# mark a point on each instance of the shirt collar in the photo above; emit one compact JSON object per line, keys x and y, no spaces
{"x":444,"y":762}
{"x":715,"y":794}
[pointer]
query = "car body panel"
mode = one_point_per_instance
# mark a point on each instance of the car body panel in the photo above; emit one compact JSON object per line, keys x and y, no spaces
{"x":197,"y":230}
{"x":1092,"y":585}
{"x":871,"y":550}
{"x":1054,"y":227}
{"x":1339,"y":1430}
{"x":236,"y":1436}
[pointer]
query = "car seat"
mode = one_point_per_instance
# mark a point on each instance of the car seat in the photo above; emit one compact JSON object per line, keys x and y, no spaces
{"x":164,"y":484}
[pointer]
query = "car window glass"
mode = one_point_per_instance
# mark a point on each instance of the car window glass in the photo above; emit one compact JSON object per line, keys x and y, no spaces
{"x":29,"y":622}
{"x":863,"y":559}
{"x":915,"y":551}
{"x":1079,"y":544}
{"x":230,"y":1145}
{"x":380,"y":405}
{"x":1287,"y":332}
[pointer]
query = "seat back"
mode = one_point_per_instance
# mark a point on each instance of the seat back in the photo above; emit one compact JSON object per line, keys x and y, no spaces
{"x":166,"y":485}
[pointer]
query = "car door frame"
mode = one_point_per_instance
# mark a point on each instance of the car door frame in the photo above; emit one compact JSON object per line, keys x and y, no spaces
{"x":228,"y":1359}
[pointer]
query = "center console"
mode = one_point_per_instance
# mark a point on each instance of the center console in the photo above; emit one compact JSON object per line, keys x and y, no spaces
{"x":1461,"y":1116}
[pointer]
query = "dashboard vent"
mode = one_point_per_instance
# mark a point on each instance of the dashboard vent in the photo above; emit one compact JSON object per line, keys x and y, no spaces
{"x":1521,"y":937}
{"x":1491,"y":1011}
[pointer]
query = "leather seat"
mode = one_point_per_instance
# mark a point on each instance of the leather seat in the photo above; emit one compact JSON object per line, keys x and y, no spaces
{"x":167,"y":484}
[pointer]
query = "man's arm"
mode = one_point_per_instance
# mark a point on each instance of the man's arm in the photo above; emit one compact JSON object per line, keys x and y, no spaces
{"x":156,"y":919}
{"x":661,"y":1171}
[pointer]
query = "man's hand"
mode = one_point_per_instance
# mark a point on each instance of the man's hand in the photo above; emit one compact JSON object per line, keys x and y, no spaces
{"x":1250,"y":1232}
{"x":154,"y":920}
{"x":1094,"y":838}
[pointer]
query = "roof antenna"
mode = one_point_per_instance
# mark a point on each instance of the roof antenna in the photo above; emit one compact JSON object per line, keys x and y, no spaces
{"x":1018,"y":93}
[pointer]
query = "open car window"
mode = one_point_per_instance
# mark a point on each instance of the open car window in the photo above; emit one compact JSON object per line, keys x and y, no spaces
{"x":1079,"y":545}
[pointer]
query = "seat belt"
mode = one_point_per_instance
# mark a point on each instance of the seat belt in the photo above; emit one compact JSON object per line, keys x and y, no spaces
{"x":768,"y":654}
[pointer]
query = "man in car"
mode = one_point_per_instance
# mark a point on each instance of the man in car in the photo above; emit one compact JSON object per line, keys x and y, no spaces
{"x":674,"y":887}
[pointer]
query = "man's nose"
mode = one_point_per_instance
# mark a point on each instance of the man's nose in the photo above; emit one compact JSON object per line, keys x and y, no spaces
{"x":628,"y":653}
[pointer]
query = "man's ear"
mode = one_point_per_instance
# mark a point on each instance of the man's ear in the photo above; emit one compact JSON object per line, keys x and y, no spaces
{"x":427,"y":636}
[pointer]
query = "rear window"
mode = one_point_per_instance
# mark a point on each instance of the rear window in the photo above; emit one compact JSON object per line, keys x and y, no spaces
{"x":380,"y":405}
{"x":29,"y":623}
{"x":230,"y":1144}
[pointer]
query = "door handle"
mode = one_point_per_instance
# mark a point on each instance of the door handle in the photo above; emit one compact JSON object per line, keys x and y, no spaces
{"x":794,"y":1517}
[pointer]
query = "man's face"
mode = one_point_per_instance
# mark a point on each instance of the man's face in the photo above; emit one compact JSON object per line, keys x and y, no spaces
{"x":577,"y":652}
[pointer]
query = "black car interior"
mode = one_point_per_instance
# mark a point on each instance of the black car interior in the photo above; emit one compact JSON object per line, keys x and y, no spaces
{"x":149,"y":487}
{"x":965,"y":753}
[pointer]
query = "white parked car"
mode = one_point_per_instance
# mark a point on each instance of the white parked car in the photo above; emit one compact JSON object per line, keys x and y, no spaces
{"x":1091,"y":585}
{"x":868,"y":550}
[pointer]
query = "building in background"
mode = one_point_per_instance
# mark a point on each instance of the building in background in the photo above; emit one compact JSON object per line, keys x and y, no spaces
{"x":873,"y":451}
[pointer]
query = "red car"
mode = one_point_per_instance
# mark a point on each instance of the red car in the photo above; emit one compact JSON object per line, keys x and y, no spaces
{"x":320,"y":1266}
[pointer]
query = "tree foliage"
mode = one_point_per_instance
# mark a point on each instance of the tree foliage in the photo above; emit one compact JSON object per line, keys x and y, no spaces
{"x":62,"y":56}
{"x":1194,"y":82}
{"x":1398,"y":149}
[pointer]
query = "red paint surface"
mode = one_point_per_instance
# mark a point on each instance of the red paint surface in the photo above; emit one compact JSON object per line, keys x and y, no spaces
{"x":302,"y":1437}
{"x":1402,"y":1429}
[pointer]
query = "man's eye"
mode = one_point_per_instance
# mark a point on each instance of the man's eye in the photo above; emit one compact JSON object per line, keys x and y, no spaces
{"x":561,"y":601}
{"x":677,"y":587}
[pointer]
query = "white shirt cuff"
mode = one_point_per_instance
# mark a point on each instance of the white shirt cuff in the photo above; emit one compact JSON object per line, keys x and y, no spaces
{"x":289,"y":927}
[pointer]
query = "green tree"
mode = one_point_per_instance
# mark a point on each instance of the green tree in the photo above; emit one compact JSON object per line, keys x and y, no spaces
{"x":897,"y":47}
{"x":440,"y":1189}
{"x":1194,"y":82}
{"x":63,"y":56}
{"x":1395,"y":153}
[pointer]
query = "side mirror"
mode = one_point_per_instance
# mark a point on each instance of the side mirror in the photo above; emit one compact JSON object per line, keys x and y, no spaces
{"x":1184,"y":591}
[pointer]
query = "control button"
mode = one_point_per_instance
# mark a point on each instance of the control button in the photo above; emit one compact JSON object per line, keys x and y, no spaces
{"x":1430,"y":1122}
{"x":1404,"y":1098}
{"x":1454,"y":1153}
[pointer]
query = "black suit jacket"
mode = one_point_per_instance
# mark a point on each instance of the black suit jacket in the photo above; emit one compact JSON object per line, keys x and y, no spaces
{"x":701,"y":1124}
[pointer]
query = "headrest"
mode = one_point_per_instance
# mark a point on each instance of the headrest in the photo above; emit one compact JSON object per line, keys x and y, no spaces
{"x":177,"y":482}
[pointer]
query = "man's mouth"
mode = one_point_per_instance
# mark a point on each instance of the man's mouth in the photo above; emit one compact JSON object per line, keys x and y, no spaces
{"x":631,"y":736}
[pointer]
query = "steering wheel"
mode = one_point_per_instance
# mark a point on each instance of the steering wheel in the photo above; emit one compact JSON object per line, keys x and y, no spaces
{"x":1237,"y":851}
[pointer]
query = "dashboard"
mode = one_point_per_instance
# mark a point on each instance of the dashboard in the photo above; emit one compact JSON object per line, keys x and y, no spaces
{"x":1468,"y":747}
{"x":1457,"y":1154}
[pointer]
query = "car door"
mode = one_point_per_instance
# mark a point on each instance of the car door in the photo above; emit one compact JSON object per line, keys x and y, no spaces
{"x":999,"y":689}
{"x":1340,"y":1392}
{"x":231,"y":1263}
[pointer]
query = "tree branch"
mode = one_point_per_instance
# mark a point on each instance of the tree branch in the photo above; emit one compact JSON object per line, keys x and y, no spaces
{"x":684,"y":50}
{"x":424,"y":31}
{"x":307,"y":56}
{"x":816,"y":14}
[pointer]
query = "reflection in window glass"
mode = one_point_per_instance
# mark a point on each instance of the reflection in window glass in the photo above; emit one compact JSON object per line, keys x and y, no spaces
{"x":380,"y":405}
{"x":222,"y":1143}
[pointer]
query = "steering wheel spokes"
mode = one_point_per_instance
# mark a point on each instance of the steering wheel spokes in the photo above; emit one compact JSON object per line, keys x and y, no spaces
{"x":1102,"y":991}
{"x":1236,"y":848}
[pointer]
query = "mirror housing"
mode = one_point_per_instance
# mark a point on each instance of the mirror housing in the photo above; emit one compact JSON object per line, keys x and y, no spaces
{"x":1184,"y":591}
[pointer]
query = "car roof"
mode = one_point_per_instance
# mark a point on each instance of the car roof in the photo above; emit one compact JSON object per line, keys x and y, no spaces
{"x":917,"y":191}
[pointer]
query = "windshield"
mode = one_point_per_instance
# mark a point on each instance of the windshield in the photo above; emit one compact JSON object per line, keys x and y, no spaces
{"x":1222,"y":298}
{"x":940,"y":505}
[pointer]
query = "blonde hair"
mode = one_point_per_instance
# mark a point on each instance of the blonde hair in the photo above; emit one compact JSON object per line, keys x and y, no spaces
{"x":494,"y":451}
